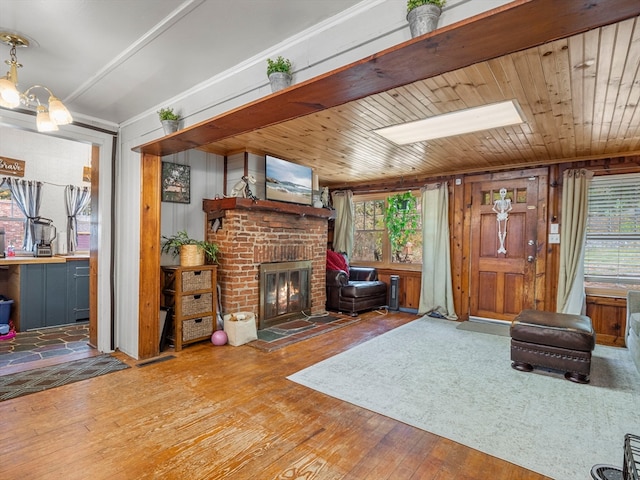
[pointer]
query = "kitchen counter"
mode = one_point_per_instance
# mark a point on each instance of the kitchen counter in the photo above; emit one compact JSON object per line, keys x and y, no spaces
{"x":28,"y":260}
{"x":46,"y":291}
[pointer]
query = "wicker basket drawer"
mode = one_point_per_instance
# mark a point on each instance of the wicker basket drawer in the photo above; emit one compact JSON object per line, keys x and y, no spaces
{"x":195,"y":304}
{"x":196,"y":280}
{"x":197,"y":328}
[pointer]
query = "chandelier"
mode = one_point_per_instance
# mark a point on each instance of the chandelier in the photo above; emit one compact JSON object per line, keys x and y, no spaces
{"x":48,"y":116}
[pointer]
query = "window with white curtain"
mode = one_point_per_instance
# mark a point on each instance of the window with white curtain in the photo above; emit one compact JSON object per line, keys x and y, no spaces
{"x":612,"y":254}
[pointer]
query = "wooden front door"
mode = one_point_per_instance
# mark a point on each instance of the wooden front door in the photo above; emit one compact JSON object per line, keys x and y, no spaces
{"x":503,"y":274}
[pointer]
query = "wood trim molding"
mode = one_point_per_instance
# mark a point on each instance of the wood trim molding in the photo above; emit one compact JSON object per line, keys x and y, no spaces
{"x":149,"y":282}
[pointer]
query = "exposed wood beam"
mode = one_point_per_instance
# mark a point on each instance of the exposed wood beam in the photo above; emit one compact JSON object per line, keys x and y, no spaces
{"x":519,"y":25}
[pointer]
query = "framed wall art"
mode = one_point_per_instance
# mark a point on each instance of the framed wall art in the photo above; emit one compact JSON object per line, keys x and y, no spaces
{"x":176,"y":183}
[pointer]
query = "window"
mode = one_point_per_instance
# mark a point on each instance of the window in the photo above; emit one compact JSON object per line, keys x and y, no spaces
{"x":84,"y":228}
{"x":12,"y":219}
{"x":371,"y":243}
{"x":612,"y":254}
{"x":369,"y":231}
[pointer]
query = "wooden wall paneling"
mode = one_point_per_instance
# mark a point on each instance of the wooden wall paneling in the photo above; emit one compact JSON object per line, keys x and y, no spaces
{"x":609,"y":317}
{"x":541,"y":241}
{"x":149,"y":286}
{"x":408,"y":288}
{"x":459,"y":279}
{"x":552,"y":250}
{"x":465,"y":251}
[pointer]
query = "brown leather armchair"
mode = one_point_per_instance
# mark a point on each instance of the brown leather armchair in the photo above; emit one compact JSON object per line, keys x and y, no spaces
{"x":359,"y":291}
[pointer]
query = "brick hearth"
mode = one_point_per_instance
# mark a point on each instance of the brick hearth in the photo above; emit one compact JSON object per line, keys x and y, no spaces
{"x":252,"y":233}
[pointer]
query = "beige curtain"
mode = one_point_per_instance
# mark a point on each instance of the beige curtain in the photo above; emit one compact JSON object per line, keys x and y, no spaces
{"x":436,"y":292}
{"x":344,"y":229}
{"x":575,"y":188}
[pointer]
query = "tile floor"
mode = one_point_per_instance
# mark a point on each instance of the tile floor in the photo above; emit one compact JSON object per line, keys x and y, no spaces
{"x":43,"y":344}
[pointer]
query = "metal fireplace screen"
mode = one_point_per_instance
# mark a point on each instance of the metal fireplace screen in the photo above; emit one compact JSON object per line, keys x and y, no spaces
{"x":284,"y":291}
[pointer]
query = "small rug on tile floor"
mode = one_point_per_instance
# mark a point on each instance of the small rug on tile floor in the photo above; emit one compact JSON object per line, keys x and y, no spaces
{"x":296,"y":330}
{"x":39,"y":379}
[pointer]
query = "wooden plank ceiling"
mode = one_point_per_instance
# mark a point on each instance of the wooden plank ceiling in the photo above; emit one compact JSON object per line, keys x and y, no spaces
{"x":580,"y":98}
{"x":578,"y":87}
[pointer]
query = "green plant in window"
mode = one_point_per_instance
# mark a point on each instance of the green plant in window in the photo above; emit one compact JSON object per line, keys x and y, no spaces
{"x":401,"y":220}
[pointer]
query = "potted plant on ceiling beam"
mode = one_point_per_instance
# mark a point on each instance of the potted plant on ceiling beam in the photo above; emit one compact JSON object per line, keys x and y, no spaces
{"x":279,"y":73}
{"x":401,"y":220}
{"x":170,"y":120}
{"x":423,"y":15}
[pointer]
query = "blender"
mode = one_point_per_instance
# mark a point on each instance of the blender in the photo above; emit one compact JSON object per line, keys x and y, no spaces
{"x":44,"y":233}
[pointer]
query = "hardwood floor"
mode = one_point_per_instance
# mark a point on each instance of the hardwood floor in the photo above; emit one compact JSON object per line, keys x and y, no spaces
{"x":227,"y":412}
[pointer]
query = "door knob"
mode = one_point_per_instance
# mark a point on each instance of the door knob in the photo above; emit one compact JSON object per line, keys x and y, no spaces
{"x":530,"y":259}
{"x":531,"y":242}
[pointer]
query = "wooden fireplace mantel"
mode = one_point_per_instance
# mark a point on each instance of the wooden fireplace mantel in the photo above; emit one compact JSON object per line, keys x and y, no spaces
{"x":215,"y":208}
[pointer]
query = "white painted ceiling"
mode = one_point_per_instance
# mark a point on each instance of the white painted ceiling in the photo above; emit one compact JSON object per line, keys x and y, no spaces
{"x":114,"y":59}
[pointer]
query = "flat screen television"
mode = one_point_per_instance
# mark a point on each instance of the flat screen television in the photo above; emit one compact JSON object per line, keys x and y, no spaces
{"x":287,"y":181}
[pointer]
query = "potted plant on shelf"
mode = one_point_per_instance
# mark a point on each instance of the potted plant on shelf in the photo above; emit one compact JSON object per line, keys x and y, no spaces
{"x":423,"y":15}
{"x":401,"y":220}
{"x":192,"y":252}
{"x":279,"y":73}
{"x":169,"y":120}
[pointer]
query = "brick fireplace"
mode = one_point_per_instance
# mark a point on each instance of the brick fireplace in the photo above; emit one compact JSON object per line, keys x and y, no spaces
{"x":250,"y":234}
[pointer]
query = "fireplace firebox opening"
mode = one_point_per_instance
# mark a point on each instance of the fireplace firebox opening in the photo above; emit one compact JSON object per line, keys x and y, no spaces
{"x":285,"y":289}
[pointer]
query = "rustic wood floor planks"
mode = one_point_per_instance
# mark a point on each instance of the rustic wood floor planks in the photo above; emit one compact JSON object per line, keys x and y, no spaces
{"x":227,"y":412}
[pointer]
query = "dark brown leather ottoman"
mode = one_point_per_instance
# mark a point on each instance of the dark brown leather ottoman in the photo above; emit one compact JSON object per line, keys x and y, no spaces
{"x":551,"y":340}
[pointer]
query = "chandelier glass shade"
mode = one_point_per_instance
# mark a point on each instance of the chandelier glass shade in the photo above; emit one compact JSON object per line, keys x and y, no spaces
{"x":49,"y":115}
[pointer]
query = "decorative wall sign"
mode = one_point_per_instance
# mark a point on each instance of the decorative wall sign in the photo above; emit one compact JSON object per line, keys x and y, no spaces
{"x":11,"y":166}
{"x":176,"y":183}
{"x":502,"y":206}
{"x":86,"y":174}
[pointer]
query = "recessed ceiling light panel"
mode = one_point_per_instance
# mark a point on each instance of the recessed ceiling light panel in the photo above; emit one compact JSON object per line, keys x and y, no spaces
{"x":468,"y":120}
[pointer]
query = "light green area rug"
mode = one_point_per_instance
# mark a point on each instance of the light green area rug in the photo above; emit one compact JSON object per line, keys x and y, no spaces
{"x":490,"y":328}
{"x":460,"y":385}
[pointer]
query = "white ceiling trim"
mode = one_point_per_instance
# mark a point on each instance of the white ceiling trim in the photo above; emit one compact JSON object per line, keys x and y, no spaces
{"x":261,"y":58}
{"x":171,"y":19}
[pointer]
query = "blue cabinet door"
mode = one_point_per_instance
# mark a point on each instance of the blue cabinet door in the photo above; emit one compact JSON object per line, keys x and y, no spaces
{"x":78,"y":290}
{"x":43,"y":296}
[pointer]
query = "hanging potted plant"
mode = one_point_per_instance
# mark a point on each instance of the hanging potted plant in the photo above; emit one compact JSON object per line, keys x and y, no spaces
{"x":401,"y":220}
{"x":279,"y":73}
{"x":170,"y":120}
{"x":192,"y":252}
{"x":423,"y":15}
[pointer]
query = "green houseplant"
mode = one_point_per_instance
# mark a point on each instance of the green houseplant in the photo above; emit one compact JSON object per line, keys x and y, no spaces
{"x":195,"y":251}
{"x":411,"y":4}
{"x":169,"y":119}
{"x":423,"y":15}
{"x":401,"y":220}
{"x":279,"y":73}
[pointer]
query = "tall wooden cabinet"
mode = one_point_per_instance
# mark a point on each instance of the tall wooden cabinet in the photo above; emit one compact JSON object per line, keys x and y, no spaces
{"x":191,"y":293}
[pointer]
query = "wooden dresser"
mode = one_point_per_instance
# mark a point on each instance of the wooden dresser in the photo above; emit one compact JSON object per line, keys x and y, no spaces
{"x":191,"y":293}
